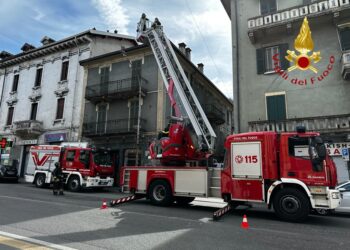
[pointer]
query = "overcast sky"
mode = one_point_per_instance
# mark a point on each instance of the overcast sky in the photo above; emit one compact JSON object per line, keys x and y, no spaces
{"x":202,"y":24}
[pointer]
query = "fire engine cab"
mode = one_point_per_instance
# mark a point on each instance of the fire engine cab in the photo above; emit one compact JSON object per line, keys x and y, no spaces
{"x":82,"y":166}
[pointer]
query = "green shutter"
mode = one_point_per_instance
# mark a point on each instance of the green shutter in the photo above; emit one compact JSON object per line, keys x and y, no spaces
{"x":283,"y":52}
{"x":276,"y":107}
{"x":260,"y":60}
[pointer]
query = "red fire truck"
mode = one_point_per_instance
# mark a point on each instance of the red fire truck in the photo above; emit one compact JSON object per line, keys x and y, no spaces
{"x":82,"y":167}
{"x":290,"y":172}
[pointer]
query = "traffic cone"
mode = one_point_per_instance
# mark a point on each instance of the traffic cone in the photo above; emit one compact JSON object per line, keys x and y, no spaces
{"x":244,"y":223}
{"x":104,"y":204}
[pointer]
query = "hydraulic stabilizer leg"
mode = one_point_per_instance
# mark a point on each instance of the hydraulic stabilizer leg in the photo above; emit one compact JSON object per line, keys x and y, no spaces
{"x":126,"y":199}
{"x":222,"y":211}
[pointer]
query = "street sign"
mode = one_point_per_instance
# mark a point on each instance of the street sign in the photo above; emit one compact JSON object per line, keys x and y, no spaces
{"x":345,"y":154}
{"x":3,"y":143}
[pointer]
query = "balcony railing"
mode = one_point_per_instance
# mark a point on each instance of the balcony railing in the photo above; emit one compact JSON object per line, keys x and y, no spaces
{"x":214,"y":114}
{"x":28,"y":128}
{"x":346,"y":66}
{"x":112,"y":127}
{"x":323,"y":124}
{"x":120,"y":89}
{"x":295,"y":13}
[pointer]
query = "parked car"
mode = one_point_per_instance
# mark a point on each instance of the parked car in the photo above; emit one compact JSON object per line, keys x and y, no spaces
{"x":8,"y":172}
{"x":344,"y":189}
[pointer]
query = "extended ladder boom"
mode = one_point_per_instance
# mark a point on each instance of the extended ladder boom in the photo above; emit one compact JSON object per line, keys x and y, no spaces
{"x":174,"y":75}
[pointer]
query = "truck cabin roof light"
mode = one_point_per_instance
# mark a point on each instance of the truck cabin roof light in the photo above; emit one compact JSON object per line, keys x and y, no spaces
{"x":300,"y":129}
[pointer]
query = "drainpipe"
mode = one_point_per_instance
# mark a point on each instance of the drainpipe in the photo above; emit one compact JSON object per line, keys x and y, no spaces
{"x":235,"y":66}
{"x":2,"y":90}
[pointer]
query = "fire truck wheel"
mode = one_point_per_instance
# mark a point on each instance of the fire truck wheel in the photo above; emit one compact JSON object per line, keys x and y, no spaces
{"x":160,"y":193}
{"x":184,"y":200}
{"x":74,"y":184}
{"x":291,"y":204}
{"x":40,"y":180}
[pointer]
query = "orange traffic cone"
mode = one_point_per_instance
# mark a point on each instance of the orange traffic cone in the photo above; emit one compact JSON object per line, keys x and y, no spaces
{"x":104,"y":204}
{"x":244,"y":223}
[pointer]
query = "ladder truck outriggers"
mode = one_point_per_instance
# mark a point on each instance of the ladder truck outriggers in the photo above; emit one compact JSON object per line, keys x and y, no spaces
{"x":290,"y":171}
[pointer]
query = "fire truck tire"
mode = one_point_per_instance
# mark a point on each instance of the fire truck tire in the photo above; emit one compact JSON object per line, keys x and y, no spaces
{"x":182,"y":201}
{"x":40,"y":180}
{"x":291,"y":204}
{"x":160,"y":193}
{"x":74,"y":184}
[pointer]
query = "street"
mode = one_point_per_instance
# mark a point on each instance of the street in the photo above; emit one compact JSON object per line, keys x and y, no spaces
{"x":76,"y":221}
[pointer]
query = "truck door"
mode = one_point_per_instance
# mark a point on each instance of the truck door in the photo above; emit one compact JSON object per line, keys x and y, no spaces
{"x":246,"y":163}
{"x":68,"y":159}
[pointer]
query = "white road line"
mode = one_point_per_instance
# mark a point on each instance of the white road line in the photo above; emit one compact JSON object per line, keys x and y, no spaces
{"x":206,"y":220}
{"x":35,"y":241}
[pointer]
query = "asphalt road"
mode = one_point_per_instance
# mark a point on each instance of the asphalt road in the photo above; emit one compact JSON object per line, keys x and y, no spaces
{"x":75,"y":220}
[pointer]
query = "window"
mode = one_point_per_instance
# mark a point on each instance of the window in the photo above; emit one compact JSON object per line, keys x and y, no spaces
{"x":344,"y":35}
{"x":276,"y":107}
{"x":70,"y":155}
{"x":84,"y":157}
{"x":267,"y":6}
{"x":64,"y":70}
{"x":104,"y":80}
{"x":266,"y":58}
{"x":15,"y":83}
{"x":136,"y":72}
{"x":39,"y":73}
{"x":134,"y":112}
{"x":33,"y":111}
{"x":60,"y":108}
{"x":298,"y":146}
{"x":10,"y":116}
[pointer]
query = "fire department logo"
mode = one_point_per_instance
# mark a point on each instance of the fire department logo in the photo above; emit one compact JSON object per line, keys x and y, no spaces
{"x":239,"y":159}
{"x":303,"y":44}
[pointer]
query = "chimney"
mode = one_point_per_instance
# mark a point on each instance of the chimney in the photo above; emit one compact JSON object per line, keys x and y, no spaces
{"x":4,"y":54}
{"x":26,"y":47}
{"x":188,"y":53}
{"x":46,"y":40}
{"x":182,"y":48}
{"x":200,"y":67}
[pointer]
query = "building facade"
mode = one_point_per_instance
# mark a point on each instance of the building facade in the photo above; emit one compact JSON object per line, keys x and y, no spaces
{"x":285,"y":95}
{"x":127,"y":104}
{"x":42,"y":91}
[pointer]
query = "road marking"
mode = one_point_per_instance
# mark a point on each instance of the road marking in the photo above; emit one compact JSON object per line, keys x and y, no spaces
{"x":17,"y":241}
{"x":206,"y":219}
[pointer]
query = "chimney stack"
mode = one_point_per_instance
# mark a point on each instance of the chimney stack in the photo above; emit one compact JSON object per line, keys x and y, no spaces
{"x":188,"y":53}
{"x":4,"y":54}
{"x":200,"y":67}
{"x":26,"y":47}
{"x":46,"y":40}
{"x":182,"y":48}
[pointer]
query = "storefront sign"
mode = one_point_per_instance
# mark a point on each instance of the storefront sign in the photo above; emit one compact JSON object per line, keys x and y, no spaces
{"x":335,"y":149}
{"x":27,"y":142}
{"x":57,"y":137}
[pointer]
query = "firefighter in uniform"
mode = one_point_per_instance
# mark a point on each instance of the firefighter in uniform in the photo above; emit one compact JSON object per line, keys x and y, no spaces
{"x":57,"y":179}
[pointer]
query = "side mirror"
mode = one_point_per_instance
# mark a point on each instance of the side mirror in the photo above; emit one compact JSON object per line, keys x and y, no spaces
{"x":341,"y":189}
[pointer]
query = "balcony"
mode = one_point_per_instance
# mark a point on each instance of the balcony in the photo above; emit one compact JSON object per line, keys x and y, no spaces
{"x":282,"y":20}
{"x":112,"y":127}
{"x":27,"y":129}
{"x":345,"y":68}
{"x":322,"y":124}
{"x":112,"y":90}
{"x":214,"y":114}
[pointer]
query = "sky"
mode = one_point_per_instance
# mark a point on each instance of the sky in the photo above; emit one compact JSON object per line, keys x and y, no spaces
{"x":203,"y":25}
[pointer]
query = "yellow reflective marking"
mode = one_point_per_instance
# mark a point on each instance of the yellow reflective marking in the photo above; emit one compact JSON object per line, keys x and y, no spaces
{"x":19,"y":244}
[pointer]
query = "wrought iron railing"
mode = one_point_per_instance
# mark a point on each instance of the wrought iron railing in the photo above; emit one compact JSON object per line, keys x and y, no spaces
{"x":320,"y":124}
{"x":113,"y":88}
{"x":117,"y":126}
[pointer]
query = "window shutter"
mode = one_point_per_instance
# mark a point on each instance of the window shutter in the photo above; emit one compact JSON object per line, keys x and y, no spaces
{"x":283,"y":52}
{"x":345,"y":38}
{"x":260,"y":60}
{"x":263,"y":7}
{"x":273,"y":6}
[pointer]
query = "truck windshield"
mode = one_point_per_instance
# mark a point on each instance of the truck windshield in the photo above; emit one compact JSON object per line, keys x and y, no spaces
{"x":102,"y":158}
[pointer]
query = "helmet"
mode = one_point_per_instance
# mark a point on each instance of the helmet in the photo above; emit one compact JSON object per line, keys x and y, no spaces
{"x":57,"y":164}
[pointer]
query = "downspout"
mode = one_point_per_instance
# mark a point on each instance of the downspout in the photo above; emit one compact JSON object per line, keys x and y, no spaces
{"x":2,"y":89}
{"x":235,"y":66}
{"x":75,"y":88}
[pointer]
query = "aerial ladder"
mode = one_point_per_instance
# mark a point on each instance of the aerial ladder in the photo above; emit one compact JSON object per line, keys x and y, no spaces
{"x":183,"y":100}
